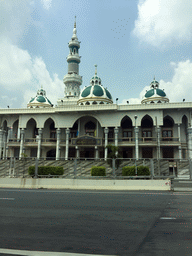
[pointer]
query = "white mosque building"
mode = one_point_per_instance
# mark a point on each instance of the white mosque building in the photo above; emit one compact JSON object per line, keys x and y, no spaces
{"x":84,"y":122}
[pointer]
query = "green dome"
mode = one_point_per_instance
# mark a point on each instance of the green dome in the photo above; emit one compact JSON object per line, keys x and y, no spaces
{"x":41,"y":99}
{"x":98,"y":91}
{"x":149,"y":93}
{"x":160,"y":92}
{"x":86,"y":91}
{"x":108,"y":94}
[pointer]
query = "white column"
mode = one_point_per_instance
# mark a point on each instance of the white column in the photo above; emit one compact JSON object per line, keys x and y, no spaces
{"x":106,"y":131}
{"x":40,"y":131}
{"x":116,"y":131}
{"x":67,"y":131}
{"x":158,"y":143}
{"x":136,"y":143}
{"x":21,"y":142}
{"x":4,"y":143}
{"x":1,"y":142}
{"x":58,"y":143}
{"x":189,"y":131}
{"x":79,"y":127}
{"x":179,"y":135}
{"x":18,"y":134}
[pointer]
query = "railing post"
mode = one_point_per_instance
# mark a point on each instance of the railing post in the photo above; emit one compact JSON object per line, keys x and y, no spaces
{"x":152,"y":168}
{"x":14,"y":167}
{"x":190,"y":168}
{"x":36,"y":168}
{"x":135,"y":167}
{"x":75,"y":167}
{"x":113,"y":167}
{"x":10,"y":167}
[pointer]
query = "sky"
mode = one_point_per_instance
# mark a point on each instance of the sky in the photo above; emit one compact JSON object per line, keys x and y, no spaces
{"x":131,"y":41}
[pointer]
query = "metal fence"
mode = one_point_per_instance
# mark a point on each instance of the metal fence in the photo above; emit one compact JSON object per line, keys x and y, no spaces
{"x":81,"y":167}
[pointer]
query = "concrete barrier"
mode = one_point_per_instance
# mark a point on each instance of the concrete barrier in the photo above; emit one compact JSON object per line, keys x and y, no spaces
{"x":55,"y":183}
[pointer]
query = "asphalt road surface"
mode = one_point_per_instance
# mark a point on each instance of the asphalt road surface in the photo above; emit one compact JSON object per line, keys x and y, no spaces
{"x":96,"y":222}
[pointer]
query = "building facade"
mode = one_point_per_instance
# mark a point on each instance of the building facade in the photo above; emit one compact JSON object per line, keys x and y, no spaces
{"x":84,"y":122}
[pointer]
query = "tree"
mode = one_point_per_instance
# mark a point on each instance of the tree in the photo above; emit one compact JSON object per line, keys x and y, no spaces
{"x":113,"y":154}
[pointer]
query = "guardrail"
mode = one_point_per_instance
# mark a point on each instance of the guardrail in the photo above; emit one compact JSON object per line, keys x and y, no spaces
{"x":81,"y":167}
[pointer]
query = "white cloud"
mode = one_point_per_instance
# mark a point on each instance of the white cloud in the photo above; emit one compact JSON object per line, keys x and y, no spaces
{"x":46,"y":4}
{"x":180,"y":85}
{"x":162,"y":21}
{"x":177,"y":89}
{"x":20,"y":71}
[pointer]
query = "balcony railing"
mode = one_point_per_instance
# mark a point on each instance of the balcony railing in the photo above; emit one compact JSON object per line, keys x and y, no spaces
{"x":168,"y":139}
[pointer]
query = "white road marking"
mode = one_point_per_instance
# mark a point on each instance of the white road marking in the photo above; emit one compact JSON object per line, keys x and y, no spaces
{"x":185,"y":181}
{"x":37,"y":253}
{"x":7,"y":199}
{"x":167,"y":218}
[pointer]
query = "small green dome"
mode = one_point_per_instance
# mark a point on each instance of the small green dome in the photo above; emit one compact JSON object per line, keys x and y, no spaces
{"x":98,"y":91}
{"x":86,"y":91}
{"x":160,"y":92}
{"x":41,"y":99}
{"x":149,"y":93}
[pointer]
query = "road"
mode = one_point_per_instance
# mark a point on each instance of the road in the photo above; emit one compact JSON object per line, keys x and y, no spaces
{"x":96,"y":222}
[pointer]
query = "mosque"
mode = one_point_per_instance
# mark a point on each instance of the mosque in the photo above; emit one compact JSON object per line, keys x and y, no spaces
{"x":84,"y":122}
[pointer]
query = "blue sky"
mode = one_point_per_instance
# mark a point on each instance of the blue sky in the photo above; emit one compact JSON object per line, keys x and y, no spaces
{"x":129,"y":40}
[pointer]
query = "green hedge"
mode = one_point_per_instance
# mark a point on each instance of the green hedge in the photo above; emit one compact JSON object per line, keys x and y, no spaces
{"x":130,"y":171}
{"x":46,"y":170}
{"x":98,"y":171}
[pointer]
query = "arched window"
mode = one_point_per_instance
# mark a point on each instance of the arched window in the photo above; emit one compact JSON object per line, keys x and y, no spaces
{"x":126,"y":125}
{"x":167,"y":129}
{"x":147,"y":125}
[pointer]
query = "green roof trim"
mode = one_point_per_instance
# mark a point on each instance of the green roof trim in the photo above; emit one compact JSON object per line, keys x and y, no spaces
{"x":86,"y":91}
{"x":108,"y":94}
{"x":49,"y":101}
{"x":160,"y":92}
{"x":149,"y":93}
{"x":97,"y":91}
{"x":32,"y":100}
{"x":41,"y":99}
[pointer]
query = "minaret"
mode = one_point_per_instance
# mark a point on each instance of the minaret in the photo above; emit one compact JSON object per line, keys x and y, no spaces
{"x":73,"y":80}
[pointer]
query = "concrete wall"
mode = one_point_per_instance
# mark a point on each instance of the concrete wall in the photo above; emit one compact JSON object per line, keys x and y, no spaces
{"x":85,"y":184}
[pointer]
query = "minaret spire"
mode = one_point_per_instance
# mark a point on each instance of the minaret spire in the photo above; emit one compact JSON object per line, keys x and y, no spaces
{"x":96,"y":70}
{"x":75,"y":22}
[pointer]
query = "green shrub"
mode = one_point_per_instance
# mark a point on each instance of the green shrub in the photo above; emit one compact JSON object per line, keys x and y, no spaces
{"x":98,"y":171}
{"x":46,"y":170}
{"x":131,"y":171}
{"x":31,"y":170}
{"x":128,"y":171}
{"x":143,"y":171}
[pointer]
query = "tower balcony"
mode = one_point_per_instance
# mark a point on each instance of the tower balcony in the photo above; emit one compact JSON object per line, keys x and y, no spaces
{"x":74,"y":43}
{"x":72,"y":78}
{"x":74,"y":57}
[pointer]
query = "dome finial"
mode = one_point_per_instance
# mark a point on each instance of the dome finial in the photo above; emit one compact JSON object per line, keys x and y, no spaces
{"x":75,"y":22}
{"x":95,"y":69}
{"x":154,"y":78}
{"x":41,"y":86}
